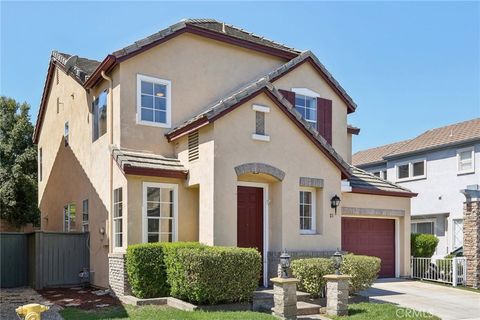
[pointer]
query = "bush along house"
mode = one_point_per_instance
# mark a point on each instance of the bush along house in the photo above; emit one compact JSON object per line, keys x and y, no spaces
{"x":205,"y":132}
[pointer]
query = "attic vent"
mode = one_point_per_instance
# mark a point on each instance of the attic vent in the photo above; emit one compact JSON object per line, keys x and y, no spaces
{"x":193,"y":146}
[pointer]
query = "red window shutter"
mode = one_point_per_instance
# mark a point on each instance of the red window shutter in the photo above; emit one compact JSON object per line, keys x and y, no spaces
{"x":289,"y":95}
{"x":324,"y":118}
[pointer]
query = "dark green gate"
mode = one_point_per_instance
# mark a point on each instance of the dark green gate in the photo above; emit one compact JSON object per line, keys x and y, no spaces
{"x":14,"y":259}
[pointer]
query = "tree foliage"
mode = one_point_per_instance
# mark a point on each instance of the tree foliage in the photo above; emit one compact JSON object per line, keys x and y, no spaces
{"x":18,"y":164}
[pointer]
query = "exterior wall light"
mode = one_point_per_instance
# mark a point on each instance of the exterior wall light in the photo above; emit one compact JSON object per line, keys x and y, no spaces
{"x":335,"y":202}
{"x":337,"y":261}
{"x":285,"y":263}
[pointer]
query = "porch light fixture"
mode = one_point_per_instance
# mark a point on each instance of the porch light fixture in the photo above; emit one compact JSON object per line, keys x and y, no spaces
{"x":285,"y":263}
{"x":337,"y":261}
{"x":335,"y":202}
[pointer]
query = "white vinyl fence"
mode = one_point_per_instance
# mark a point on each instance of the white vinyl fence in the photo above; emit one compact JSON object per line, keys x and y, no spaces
{"x":453,"y":271}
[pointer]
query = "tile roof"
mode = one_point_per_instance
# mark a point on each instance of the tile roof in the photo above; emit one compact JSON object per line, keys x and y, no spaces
{"x":453,"y":134}
{"x":136,"y":159}
{"x":440,"y":137}
{"x":83,"y":67}
{"x":375,"y":155}
{"x":210,"y":25}
{"x":218,"y":108}
{"x":363,"y":180}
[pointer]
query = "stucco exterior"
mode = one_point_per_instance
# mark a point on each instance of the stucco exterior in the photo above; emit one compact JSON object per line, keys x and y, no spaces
{"x":439,"y":198}
{"x":202,"y":71}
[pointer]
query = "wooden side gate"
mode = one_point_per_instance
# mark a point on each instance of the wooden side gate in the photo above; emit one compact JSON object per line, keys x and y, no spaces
{"x":43,"y":259}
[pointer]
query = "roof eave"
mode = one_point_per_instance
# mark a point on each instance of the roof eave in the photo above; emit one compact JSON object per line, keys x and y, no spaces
{"x":370,"y":164}
{"x":439,"y":147}
{"x":107,"y":64}
{"x":380,"y":192}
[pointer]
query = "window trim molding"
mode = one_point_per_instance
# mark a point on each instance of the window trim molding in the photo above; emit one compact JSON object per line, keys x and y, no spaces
{"x":165,"y":82}
{"x":123,"y":248}
{"x":313,"y":191}
{"x":145,"y":185}
{"x":472,"y":152}
{"x":306,"y":92}
{"x":410,"y":170}
{"x":260,"y":108}
{"x":432,"y":220}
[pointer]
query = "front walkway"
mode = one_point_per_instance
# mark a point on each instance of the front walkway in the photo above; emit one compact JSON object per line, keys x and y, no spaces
{"x":445,"y":302}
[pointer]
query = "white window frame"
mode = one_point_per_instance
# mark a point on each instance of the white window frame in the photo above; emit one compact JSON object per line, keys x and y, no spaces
{"x":174,"y":187}
{"x":313,"y":191}
{"x":168,"y":84}
{"x":472,"y":152}
{"x":433,"y":221}
{"x":453,"y":233}
{"x":310,"y":94}
{"x":410,"y":170}
{"x":114,"y":233}
{"x":69,"y":226}
{"x":87,"y":212}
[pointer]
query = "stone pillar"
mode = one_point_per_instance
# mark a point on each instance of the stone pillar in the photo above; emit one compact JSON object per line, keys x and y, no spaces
{"x":117,"y":274}
{"x":337,"y":294}
{"x":471,"y":236}
{"x":285,"y":298}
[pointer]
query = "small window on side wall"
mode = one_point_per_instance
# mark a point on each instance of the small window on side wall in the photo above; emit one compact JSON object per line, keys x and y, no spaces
{"x":466,"y":160}
{"x":99,"y":114}
{"x":411,"y":170}
{"x":117,"y":218}
{"x":308,"y":211}
{"x":66,"y":133}
{"x":153,"y":101}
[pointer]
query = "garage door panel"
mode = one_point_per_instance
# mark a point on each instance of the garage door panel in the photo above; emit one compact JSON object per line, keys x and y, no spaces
{"x":372,"y":237}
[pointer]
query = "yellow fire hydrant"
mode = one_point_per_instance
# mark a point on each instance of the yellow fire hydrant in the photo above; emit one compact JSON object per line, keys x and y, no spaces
{"x":31,"y":311}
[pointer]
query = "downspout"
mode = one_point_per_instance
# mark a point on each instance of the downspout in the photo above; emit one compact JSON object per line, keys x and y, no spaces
{"x":110,"y":143}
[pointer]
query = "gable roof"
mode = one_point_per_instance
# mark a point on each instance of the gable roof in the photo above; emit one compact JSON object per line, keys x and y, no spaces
{"x":440,"y":137}
{"x":88,"y":72}
{"x":367,"y":183}
{"x":80,"y":71}
{"x":375,"y":155}
{"x":454,"y":134}
{"x":222,"y":107}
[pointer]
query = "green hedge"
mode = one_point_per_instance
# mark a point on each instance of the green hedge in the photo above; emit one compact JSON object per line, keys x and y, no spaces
{"x":423,"y":245}
{"x":363,"y":270}
{"x":310,"y":272}
{"x":146,"y":268}
{"x":211,"y":275}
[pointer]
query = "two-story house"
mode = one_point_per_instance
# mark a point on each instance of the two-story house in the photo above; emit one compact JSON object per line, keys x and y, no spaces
{"x":436,"y":164}
{"x":206,"y":132}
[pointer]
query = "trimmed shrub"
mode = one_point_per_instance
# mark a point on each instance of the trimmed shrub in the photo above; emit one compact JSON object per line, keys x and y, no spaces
{"x":146,"y":269}
{"x":363,"y":270}
{"x":310,"y":272}
{"x":211,"y":275}
{"x":423,"y":245}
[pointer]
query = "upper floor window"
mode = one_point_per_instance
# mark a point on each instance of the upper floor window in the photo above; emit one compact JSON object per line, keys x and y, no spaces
{"x":307,"y":106}
{"x":66,"y":133}
{"x":423,"y":226}
{"x":411,"y":170}
{"x":153,"y":101}
{"x":69,"y":217}
{"x":99,"y":113}
{"x":85,"y":216}
{"x":381,"y":174}
{"x":466,"y":160}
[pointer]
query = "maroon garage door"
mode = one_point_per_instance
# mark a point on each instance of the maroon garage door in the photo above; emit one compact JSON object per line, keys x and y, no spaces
{"x":372,"y":237}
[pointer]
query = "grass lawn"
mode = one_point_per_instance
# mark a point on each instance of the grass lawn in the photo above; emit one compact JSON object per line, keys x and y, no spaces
{"x":158,"y":312}
{"x":383,"y":311}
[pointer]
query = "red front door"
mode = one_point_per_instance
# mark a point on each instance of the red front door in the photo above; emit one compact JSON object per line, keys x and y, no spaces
{"x":371,"y":237}
{"x":250,"y":218}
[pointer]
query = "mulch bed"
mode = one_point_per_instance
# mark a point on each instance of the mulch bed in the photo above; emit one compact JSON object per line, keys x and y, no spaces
{"x":86,"y":298}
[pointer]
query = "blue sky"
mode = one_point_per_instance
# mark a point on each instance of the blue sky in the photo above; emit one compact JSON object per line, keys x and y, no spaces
{"x":410,"y":66}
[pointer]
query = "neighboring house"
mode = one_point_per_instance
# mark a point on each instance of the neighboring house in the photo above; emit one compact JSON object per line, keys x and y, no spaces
{"x":436,"y":164}
{"x":205,"y":132}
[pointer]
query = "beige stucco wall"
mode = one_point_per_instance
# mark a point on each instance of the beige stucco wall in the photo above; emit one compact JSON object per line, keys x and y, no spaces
{"x":288,"y":150}
{"x":81,"y":170}
{"x":305,"y":76}
{"x":356,"y":200}
{"x":201,"y":70}
{"x":187,"y":208}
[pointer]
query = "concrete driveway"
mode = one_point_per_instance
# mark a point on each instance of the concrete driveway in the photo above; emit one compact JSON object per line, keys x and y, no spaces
{"x":445,"y":302}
